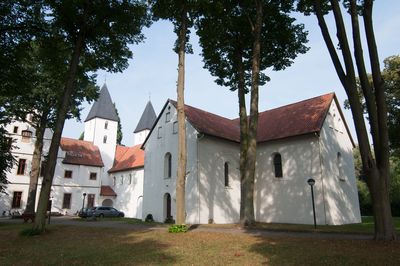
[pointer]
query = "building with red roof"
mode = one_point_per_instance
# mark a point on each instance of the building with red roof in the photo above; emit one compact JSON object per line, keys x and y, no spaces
{"x":296,"y":142}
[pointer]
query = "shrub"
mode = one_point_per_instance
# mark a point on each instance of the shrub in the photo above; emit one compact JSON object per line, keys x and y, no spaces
{"x":178,"y":228}
{"x":30,"y":232}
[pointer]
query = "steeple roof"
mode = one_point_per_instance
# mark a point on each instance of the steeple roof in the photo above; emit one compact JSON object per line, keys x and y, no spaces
{"x":103,"y":107}
{"x":148,"y":118}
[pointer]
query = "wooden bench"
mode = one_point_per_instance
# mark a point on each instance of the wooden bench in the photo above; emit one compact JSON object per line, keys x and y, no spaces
{"x":28,"y":216}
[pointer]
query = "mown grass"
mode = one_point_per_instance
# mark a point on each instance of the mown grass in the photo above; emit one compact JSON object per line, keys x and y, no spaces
{"x":75,"y":245}
{"x":366,"y":227}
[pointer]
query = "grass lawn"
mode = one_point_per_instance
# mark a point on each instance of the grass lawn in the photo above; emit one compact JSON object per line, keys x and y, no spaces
{"x":75,"y":245}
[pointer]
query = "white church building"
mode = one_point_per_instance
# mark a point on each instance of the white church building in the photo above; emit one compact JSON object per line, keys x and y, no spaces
{"x":296,"y":142}
{"x":90,"y":172}
{"x":308,"y":139}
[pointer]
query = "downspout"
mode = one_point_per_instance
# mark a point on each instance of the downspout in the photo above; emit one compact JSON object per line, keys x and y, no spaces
{"x":321,"y":174}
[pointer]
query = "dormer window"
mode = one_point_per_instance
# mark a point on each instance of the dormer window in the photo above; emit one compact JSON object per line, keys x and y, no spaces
{"x":106,"y":125}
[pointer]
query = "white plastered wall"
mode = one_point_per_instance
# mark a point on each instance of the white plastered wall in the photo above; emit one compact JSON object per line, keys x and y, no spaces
{"x":156,"y":185}
{"x":341,"y":196}
{"x":129,"y":189}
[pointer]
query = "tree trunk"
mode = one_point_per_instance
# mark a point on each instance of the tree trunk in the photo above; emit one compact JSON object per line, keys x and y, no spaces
{"x":376,"y":171}
{"x":181,"y":173}
{"x":36,"y":159}
{"x":64,"y":105}
{"x":249,"y":178}
{"x":243,"y":130}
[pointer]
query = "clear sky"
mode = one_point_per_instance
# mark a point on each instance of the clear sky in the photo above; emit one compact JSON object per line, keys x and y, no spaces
{"x":152,"y":73}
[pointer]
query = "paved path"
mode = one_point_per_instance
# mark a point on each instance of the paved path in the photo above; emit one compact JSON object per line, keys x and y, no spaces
{"x":65,"y":220}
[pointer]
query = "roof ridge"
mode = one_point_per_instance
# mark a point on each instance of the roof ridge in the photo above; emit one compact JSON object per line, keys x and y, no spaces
{"x":301,"y":101}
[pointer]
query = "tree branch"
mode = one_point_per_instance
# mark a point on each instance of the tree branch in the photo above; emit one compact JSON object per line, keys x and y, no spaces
{"x":329,"y":43}
{"x":362,"y":73}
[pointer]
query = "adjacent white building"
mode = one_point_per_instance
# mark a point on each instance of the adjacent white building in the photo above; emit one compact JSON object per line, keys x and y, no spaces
{"x":304,"y":140}
{"x":89,"y":172}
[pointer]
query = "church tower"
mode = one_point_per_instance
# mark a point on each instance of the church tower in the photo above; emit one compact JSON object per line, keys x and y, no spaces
{"x":101,"y":126}
{"x":145,"y":124}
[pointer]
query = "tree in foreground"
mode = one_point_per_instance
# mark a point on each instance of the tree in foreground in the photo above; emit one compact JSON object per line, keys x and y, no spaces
{"x":180,"y":13}
{"x":376,"y":168}
{"x":240,"y":39}
{"x":97,"y":34}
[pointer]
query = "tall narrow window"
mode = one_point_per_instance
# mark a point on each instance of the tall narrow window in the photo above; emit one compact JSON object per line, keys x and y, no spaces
{"x":339,"y":164}
{"x":167,"y":165}
{"x":122,"y":179}
{"x":90,"y":201}
{"x":66,"y":201}
{"x":68,"y":174}
{"x":175,"y":127}
{"x":159,"y":132}
{"x":15,"y":130}
{"x":226,"y":174}
{"x":105,"y":139}
{"x":106,"y":125}
{"x":167,"y":116}
{"x":278,"y":165}
{"x":114,"y":181}
{"x":16,"y":202}
{"x":21,"y":167}
{"x":130,"y":179}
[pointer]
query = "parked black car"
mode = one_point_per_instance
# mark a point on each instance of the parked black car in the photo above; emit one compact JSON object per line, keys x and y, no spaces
{"x":100,"y":211}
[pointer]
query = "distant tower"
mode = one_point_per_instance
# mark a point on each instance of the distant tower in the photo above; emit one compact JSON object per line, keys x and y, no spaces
{"x":101,"y":126}
{"x":145,"y":124}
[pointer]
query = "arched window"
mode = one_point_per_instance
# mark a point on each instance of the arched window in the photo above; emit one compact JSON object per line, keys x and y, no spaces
{"x":226,"y":174}
{"x":278,"y":165}
{"x":339,"y":164}
{"x":167,"y":165}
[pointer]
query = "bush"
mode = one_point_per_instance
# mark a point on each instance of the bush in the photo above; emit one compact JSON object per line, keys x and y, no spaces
{"x":30,"y":232}
{"x":178,"y":228}
{"x":149,"y":218}
{"x":364,"y":198}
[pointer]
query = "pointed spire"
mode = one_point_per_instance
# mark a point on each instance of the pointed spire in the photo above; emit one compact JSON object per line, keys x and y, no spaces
{"x":147,"y":119}
{"x":103,"y":107}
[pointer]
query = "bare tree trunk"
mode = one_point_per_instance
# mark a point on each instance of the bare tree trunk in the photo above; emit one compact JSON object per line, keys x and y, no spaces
{"x":243,"y":130}
{"x":376,"y":171}
{"x":384,"y":227}
{"x":181,"y":173}
{"x":64,"y":104}
{"x":36,"y":159}
{"x":249,"y":178}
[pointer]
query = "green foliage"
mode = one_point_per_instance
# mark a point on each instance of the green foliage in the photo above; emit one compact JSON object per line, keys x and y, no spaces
{"x":178,"y":228}
{"x":391,"y":77}
{"x":30,"y":232}
{"x":395,"y":185}
{"x":226,"y":37}
{"x":119,"y":130}
{"x":6,"y":159}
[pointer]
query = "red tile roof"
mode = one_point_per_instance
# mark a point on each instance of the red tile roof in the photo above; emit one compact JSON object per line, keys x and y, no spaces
{"x":299,"y":118}
{"x":211,"y":124}
{"x":81,"y":152}
{"x":127,"y":158}
{"x":107,"y":191}
{"x":294,"y":119}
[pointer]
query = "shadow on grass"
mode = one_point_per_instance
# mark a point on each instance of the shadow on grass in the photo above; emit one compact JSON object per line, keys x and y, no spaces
{"x":82,"y":246}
